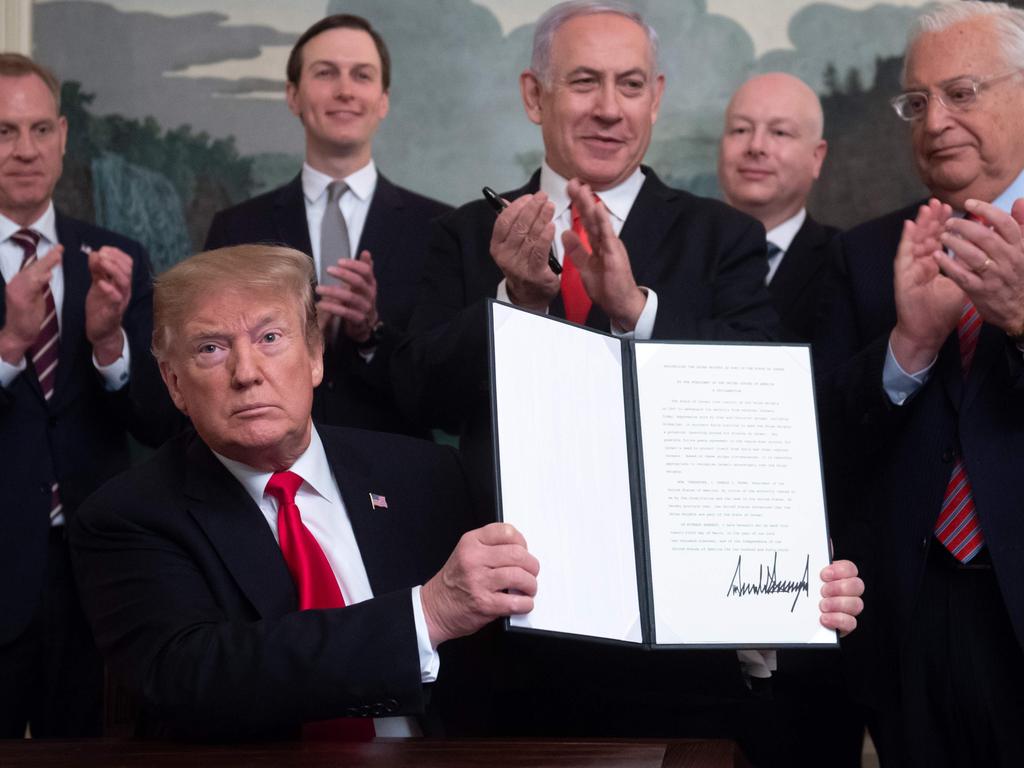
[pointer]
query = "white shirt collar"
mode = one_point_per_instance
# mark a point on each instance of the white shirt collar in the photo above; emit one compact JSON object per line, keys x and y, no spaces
{"x":618,"y":200}
{"x":311,"y":466}
{"x":361,"y":183}
{"x":1016,"y":190}
{"x":783,"y":234}
{"x":45,"y":225}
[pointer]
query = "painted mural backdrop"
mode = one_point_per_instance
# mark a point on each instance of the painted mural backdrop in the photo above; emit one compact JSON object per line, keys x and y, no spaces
{"x":176,"y":108}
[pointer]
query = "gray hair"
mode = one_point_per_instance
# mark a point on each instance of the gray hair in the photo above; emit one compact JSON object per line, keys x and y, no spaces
{"x":1008,"y":23}
{"x":554,"y":18}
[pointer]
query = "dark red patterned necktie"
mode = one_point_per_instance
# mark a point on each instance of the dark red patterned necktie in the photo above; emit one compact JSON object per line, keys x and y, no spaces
{"x":318,"y":588}
{"x":45,"y":350}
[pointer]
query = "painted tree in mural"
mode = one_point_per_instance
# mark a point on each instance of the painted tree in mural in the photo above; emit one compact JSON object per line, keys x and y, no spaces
{"x":158,"y":186}
{"x":869,"y":148}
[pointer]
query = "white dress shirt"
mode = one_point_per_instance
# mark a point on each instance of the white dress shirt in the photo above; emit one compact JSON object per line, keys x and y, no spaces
{"x":323,"y":513}
{"x":618,"y":201}
{"x":114,"y":375}
{"x":354,"y":204}
{"x":782,"y":236}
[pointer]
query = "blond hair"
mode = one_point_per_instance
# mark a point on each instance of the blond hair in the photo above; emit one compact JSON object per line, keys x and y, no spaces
{"x":256,"y":269}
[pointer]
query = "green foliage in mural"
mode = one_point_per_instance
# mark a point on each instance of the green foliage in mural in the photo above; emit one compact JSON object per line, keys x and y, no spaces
{"x":195,"y":175}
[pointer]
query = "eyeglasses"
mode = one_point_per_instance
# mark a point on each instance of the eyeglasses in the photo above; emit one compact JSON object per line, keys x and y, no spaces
{"x":956,"y":95}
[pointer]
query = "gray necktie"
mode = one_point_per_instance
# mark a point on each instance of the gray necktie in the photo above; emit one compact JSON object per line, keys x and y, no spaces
{"x":774,"y":255}
{"x":334,"y":243}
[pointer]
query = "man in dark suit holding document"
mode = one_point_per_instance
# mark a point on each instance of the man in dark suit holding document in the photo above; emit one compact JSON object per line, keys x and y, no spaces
{"x":638,"y":259}
{"x":261,"y":573}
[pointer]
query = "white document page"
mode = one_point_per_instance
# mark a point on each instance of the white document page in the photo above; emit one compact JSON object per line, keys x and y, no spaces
{"x":564,"y":476}
{"x":734,"y":496}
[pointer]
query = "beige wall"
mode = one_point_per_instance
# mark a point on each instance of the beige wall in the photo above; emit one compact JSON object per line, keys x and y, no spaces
{"x":16,"y":25}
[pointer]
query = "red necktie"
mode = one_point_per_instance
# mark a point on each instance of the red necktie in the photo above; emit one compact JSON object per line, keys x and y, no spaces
{"x":45,"y":350}
{"x":318,"y":588}
{"x":574,"y":296}
{"x":957,"y":527}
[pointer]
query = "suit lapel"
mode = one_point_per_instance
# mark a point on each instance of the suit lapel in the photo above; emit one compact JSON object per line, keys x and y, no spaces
{"x":950,"y":371}
{"x":379,"y":230}
{"x":377,"y":531}
{"x":290,"y":216}
{"x":75,"y":267}
{"x":649,"y":220}
{"x":990,"y":351}
{"x":799,"y":265}
{"x":238,"y":531}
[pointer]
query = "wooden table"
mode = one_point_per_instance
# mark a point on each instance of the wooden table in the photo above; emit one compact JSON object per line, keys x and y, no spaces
{"x":393,"y":753}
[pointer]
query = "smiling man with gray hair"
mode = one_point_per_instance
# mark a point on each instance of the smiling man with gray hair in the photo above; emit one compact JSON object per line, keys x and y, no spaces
{"x":637,"y":259}
{"x":923,"y":406}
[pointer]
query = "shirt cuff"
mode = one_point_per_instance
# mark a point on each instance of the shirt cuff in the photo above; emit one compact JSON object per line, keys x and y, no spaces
{"x":644,"y":329}
{"x":9,"y":372}
{"x":115,"y":375}
{"x":430,"y":661}
{"x":897,"y":383}
{"x":755,"y":663}
{"x":502,"y":295}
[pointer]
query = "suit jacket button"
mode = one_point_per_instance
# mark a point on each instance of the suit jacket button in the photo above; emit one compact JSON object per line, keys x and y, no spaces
{"x":924,"y":543}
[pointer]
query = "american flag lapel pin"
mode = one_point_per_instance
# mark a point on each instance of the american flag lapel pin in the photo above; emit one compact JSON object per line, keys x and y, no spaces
{"x":377,"y":501}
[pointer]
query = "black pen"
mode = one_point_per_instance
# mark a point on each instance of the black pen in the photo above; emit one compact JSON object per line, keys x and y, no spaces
{"x":500,"y":205}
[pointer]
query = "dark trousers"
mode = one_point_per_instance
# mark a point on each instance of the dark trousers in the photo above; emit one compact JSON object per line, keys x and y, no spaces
{"x":815,"y":720}
{"x":961,"y":675}
{"x":51,"y":676}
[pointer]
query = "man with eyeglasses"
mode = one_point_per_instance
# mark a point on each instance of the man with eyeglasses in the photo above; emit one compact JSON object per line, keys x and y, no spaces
{"x":922,"y":398}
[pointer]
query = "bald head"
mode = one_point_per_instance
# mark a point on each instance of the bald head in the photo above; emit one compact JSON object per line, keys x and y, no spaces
{"x":772,"y":148}
{"x":782,"y":95}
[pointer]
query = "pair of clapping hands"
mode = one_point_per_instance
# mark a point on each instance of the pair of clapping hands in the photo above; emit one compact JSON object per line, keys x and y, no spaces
{"x":943,"y":262}
{"x":521,"y":241}
{"x":352,"y":300}
{"x":105,"y":303}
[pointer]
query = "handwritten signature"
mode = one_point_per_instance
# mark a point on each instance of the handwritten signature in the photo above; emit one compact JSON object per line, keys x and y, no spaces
{"x":768,"y":582}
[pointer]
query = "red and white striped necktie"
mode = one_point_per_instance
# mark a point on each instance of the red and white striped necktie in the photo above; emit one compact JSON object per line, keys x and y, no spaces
{"x":45,"y":350}
{"x":957,"y":527}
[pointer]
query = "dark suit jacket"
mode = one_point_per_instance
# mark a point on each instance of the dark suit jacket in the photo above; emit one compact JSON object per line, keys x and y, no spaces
{"x":194,"y":608}
{"x":706,"y":261}
{"x":797,"y":285}
{"x":889,"y":466}
{"x":80,"y":437}
{"x":353,"y":393}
